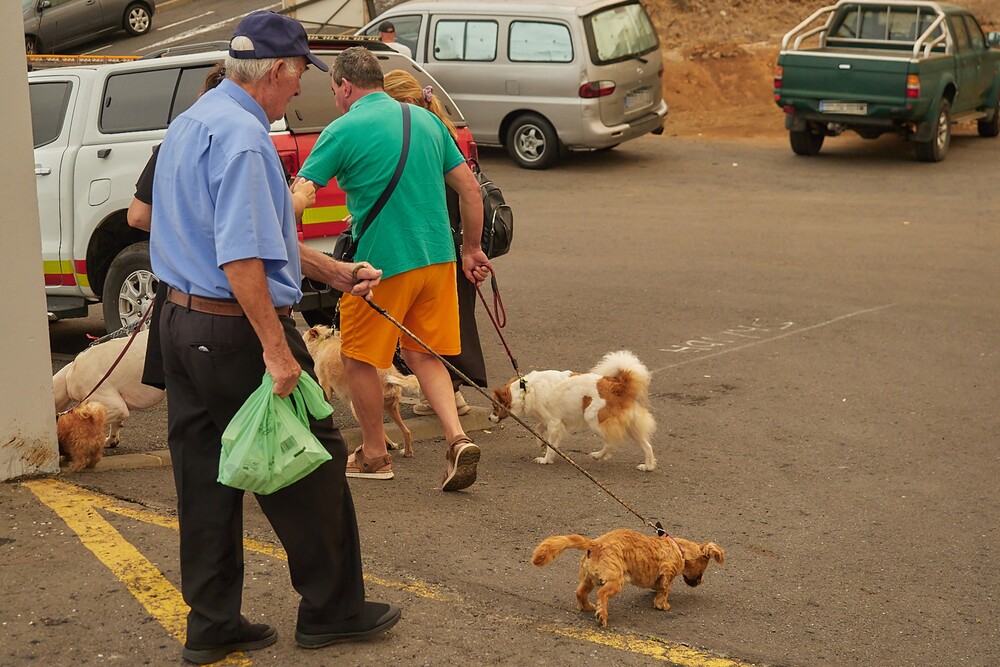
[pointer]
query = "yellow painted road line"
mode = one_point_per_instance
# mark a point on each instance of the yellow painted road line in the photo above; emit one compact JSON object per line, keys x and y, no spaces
{"x":78,"y":508}
{"x":651,"y":648}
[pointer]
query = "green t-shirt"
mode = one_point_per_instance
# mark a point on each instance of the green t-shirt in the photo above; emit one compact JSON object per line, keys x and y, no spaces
{"x":361,"y":150}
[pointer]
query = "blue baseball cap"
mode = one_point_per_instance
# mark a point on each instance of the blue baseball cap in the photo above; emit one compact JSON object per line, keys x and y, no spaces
{"x":273,"y":36}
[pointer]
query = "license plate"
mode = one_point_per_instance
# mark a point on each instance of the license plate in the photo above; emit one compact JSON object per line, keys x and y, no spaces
{"x":849,"y":108}
{"x":638,"y":97}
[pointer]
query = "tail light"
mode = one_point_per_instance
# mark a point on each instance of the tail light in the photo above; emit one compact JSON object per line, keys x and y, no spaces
{"x":913,"y":87}
{"x":659,"y":72}
{"x":473,"y":150}
{"x":290,"y":161}
{"x":593,"y":89}
{"x":779,"y":81}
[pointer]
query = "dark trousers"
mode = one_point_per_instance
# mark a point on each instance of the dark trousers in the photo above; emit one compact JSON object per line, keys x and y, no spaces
{"x":212,"y":363}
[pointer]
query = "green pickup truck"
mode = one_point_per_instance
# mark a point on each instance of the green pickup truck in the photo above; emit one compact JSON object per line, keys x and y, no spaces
{"x":912,"y":68}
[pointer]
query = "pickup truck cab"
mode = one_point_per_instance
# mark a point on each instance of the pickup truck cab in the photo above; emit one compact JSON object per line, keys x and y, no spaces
{"x":95,"y":127}
{"x":912,"y":68}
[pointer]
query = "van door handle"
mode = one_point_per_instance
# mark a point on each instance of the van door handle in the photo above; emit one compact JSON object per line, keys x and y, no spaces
{"x":42,"y":171}
{"x":103,"y":153}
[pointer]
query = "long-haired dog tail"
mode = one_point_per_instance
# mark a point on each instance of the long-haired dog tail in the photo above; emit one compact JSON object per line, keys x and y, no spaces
{"x":552,"y":547}
{"x":627,"y":367}
{"x":408,"y":383}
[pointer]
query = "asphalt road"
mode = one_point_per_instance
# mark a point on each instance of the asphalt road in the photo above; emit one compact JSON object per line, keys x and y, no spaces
{"x":823,"y":336}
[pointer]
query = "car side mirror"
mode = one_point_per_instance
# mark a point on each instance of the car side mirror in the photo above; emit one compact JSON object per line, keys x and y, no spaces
{"x":993,"y":39}
{"x":44,"y":4}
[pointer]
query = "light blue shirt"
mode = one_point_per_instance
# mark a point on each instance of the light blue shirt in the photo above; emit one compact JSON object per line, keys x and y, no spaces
{"x":220,"y":195}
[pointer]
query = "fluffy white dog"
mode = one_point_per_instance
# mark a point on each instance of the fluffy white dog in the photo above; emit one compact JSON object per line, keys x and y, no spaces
{"x":610,"y":400}
{"x":122,"y":391}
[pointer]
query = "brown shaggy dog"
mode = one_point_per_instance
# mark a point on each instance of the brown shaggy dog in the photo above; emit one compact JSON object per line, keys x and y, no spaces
{"x":626,"y":555}
{"x":81,"y":435}
{"x":323,"y":344}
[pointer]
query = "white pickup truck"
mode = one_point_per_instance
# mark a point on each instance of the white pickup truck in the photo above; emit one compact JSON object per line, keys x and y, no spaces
{"x":94,"y":129}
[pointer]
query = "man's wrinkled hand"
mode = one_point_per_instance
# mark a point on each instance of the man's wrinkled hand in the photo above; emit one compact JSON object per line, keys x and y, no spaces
{"x":364,"y":277}
{"x":284,"y":370}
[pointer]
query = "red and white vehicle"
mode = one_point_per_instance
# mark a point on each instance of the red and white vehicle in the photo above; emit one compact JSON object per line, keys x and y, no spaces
{"x":94,"y":129}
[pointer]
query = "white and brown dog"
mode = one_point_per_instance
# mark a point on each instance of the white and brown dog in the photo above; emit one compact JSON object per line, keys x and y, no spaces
{"x":122,"y":391}
{"x":610,"y":400}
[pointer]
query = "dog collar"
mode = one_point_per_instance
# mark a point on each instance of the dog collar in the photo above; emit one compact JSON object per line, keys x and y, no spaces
{"x":662,"y":532}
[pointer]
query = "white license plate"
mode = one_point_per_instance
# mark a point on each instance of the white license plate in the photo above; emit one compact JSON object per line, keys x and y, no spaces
{"x":849,"y":108}
{"x":638,"y":97}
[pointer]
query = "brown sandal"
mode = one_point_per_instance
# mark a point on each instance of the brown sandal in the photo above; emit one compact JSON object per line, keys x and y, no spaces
{"x":363,"y":468}
{"x":463,"y":457}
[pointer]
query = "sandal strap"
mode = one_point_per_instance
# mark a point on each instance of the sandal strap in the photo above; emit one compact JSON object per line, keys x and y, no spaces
{"x":459,"y":440}
{"x":370,"y":465}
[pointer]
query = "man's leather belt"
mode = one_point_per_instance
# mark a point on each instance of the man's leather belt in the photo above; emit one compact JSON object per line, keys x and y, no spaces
{"x":226,"y":307}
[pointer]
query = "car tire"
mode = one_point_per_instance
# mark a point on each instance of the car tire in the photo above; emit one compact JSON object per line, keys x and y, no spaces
{"x":137,"y":19}
{"x":991,"y":127}
{"x":806,"y":142}
{"x":532,"y":142}
{"x":936,"y":149}
{"x":32,"y":45}
{"x":129,"y":287}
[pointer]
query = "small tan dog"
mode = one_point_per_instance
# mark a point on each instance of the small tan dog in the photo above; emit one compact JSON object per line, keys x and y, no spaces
{"x":323,"y":344}
{"x":81,"y":435}
{"x":121,"y":392}
{"x":626,"y":555}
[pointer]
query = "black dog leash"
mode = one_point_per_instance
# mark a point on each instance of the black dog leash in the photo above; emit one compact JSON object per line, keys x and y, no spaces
{"x":381,"y":311}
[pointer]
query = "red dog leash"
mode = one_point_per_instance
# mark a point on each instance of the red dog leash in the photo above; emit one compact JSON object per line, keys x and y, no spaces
{"x":500,"y":320}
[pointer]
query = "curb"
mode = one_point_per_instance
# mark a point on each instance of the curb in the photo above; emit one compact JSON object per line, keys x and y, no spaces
{"x":423,"y":428}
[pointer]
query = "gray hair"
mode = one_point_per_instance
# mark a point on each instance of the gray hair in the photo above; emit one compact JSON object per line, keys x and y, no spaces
{"x":360,"y":67}
{"x":252,"y":70}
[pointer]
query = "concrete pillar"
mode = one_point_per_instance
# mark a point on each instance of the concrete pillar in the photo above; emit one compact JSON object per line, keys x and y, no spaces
{"x":27,"y":416}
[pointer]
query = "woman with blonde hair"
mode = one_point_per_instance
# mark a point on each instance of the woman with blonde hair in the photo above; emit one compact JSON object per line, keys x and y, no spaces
{"x":403,"y":87}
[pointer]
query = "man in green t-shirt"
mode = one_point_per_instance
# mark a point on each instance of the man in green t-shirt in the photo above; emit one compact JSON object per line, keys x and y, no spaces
{"x":410,"y":240}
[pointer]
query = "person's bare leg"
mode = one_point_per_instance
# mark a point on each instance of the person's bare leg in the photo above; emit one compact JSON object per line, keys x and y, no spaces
{"x":435,"y":382}
{"x":366,"y":395}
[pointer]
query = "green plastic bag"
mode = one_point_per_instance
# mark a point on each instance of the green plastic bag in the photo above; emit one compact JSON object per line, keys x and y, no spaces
{"x":268,"y":445}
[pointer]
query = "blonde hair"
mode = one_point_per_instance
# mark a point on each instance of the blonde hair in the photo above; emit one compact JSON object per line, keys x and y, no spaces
{"x":403,"y":87}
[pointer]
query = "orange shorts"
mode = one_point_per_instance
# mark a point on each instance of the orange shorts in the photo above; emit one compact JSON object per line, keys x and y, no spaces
{"x":424,"y":300}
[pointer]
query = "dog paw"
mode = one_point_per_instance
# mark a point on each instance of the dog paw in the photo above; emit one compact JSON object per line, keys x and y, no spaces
{"x":646,"y":468}
{"x":541,"y":460}
{"x":602,"y":617}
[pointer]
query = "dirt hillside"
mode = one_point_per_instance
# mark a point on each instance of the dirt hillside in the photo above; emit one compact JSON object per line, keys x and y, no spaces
{"x":719,"y":56}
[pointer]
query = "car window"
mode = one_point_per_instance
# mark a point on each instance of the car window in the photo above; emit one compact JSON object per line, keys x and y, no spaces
{"x":960,"y":33}
{"x":465,"y":40}
{"x":189,"y":87}
{"x":620,"y":32}
{"x":138,"y":101}
{"x":537,"y":42}
{"x":976,"y":35}
{"x":407,"y":31}
{"x":48,"y":110}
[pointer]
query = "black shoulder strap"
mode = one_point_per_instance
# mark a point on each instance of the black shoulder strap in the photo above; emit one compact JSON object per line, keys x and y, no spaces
{"x":377,"y":208}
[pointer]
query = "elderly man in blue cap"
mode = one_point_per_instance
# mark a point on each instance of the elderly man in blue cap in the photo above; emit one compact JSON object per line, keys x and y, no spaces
{"x":224,"y":240}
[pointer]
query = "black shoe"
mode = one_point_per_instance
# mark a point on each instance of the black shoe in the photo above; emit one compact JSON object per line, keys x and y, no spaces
{"x":376,"y":618}
{"x":252,"y":637}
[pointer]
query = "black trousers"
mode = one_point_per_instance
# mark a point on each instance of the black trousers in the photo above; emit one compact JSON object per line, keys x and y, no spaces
{"x":212,"y":363}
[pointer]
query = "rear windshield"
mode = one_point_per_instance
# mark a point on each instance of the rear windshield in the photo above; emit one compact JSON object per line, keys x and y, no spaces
{"x":619,"y":33}
{"x":884,"y":23}
{"x":315,"y":108}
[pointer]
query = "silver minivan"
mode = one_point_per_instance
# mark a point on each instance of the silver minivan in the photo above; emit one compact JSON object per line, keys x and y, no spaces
{"x":540,"y":77}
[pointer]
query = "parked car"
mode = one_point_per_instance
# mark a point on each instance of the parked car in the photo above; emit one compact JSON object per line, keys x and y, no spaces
{"x":540,"y":76}
{"x":94,"y":129}
{"x":53,"y":25}
{"x":913,"y":68}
